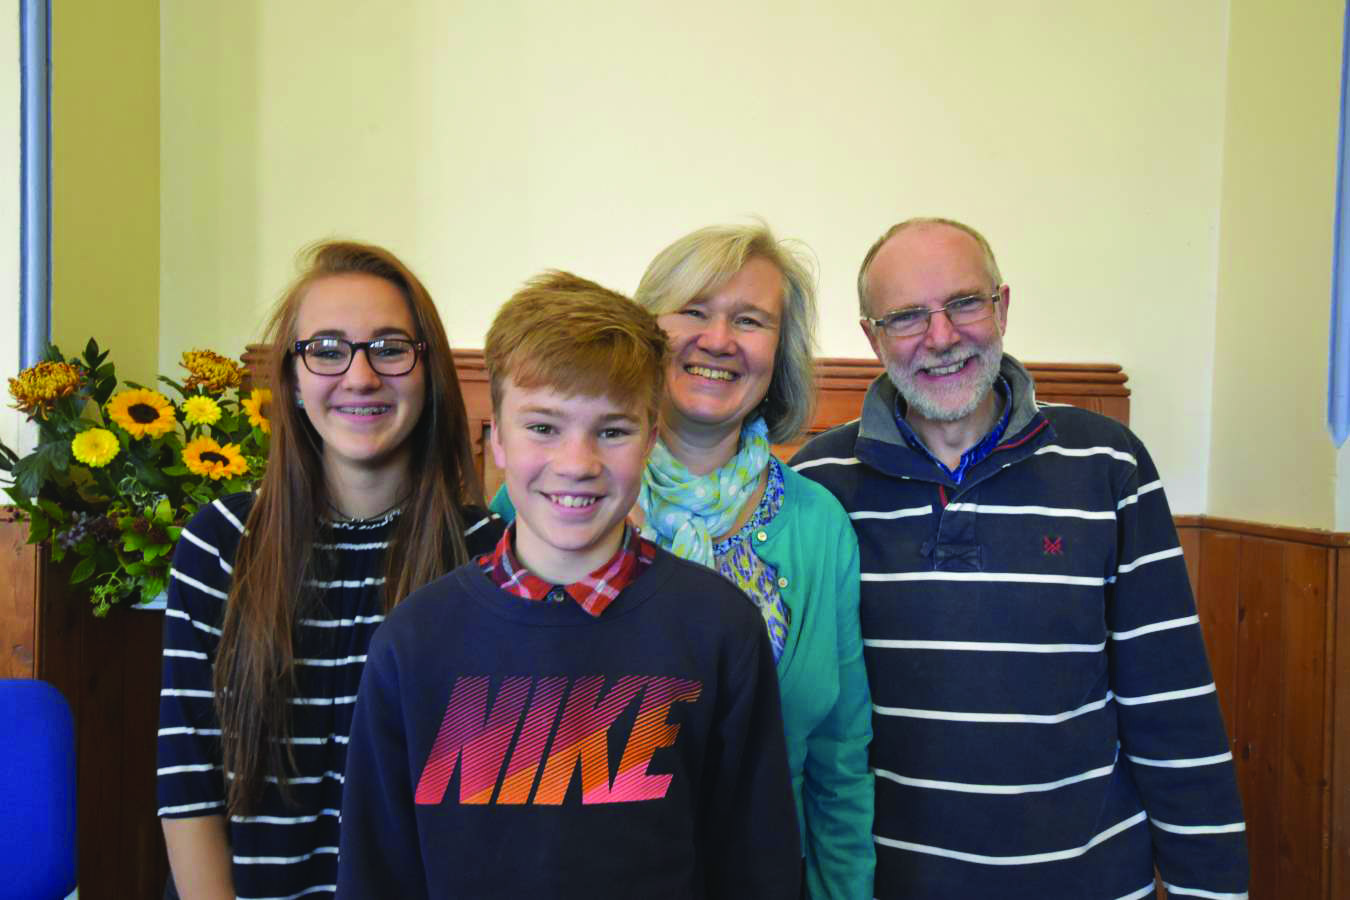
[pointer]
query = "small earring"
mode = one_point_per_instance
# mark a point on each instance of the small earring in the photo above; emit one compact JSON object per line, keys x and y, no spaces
{"x":299,"y":400}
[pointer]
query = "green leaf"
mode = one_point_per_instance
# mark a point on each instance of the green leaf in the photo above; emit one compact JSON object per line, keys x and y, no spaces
{"x":42,"y":465}
{"x":163,"y":512}
{"x":153,"y":552}
{"x":174,"y":531}
{"x":91,"y":350}
{"x":151,"y":588}
{"x":53,"y":511}
{"x":104,"y":386}
{"x":150,"y":476}
{"x":132,"y":541}
{"x":173,"y":384}
{"x":39,"y":528}
{"x":177,"y":471}
{"x":7,"y":457}
{"x":134,"y":568}
{"x":83,"y":570}
{"x":58,"y":552}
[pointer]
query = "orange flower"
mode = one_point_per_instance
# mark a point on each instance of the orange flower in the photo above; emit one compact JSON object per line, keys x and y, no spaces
{"x":208,"y":369}
{"x":38,"y":387}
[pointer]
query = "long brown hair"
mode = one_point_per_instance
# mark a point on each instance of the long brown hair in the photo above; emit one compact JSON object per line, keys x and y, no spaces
{"x":254,"y":674}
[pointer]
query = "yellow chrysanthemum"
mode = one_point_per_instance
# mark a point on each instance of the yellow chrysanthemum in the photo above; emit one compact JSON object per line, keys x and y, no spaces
{"x":204,"y":456}
{"x":38,"y":387}
{"x":208,"y":369}
{"x":142,"y":413}
{"x":258,"y":405}
{"x":95,"y":447}
{"x":201,"y":410}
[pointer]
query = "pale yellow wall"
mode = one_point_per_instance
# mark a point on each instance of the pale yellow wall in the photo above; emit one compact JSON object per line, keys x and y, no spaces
{"x":487,"y":141}
{"x":105,"y":180}
{"x":1272,"y":460}
{"x":9,"y":216}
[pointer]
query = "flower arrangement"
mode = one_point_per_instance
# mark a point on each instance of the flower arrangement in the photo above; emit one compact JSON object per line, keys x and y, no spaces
{"x":117,"y":473}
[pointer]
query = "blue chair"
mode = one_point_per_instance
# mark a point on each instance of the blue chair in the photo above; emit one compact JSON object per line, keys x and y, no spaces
{"x":37,"y":792}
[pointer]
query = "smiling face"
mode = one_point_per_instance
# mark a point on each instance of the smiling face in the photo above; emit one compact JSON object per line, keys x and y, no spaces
{"x":573,"y":466}
{"x":723,"y":345}
{"x":946,"y":374}
{"x":363,"y":418}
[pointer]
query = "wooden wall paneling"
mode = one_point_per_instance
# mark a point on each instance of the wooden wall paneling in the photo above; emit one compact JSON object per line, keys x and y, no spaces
{"x":1328,"y":724}
{"x":1096,"y":386}
{"x":1339,"y":807}
{"x":473,"y":384}
{"x":102,"y":757}
{"x":1217,"y":605}
{"x":18,"y":604}
{"x":144,"y":860}
{"x":1259,"y":697}
{"x":108,"y":670}
{"x":840,"y":382}
{"x":1302,"y":783}
{"x":1189,"y":538}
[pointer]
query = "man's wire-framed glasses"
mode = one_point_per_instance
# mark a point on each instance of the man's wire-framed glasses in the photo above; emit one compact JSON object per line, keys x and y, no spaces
{"x":913,"y":321}
{"x":333,"y":356}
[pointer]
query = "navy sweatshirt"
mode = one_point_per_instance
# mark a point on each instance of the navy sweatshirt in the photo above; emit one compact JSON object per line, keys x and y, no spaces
{"x":1044,"y":719}
{"x":509,"y":748}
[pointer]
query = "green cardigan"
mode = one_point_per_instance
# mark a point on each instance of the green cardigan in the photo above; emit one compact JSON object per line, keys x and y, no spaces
{"x":827,"y":710}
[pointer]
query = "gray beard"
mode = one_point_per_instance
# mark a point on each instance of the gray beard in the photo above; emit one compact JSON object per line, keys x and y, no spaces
{"x":925,"y":404}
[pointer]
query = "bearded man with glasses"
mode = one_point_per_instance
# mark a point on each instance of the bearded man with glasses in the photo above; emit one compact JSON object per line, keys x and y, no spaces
{"x":1045,"y":723}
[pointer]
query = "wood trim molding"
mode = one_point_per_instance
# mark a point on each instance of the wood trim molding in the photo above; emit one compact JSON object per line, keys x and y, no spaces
{"x":841,"y":373}
{"x":1291,"y":534}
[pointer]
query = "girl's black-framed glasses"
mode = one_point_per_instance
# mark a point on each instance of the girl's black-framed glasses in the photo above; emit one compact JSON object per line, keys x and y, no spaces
{"x":333,"y":356}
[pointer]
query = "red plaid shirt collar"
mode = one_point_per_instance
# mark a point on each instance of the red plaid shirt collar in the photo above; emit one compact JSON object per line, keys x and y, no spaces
{"x":593,"y":593}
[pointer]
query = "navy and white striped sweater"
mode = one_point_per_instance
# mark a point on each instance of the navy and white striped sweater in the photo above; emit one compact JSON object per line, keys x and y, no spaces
{"x":1044,"y":718}
{"x":282,"y":851}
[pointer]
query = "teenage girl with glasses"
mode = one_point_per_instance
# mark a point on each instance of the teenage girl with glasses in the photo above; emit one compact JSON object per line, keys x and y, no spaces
{"x":274,"y":596}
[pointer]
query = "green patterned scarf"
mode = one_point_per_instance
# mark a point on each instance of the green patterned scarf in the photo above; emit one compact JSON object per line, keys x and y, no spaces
{"x":684,"y":512}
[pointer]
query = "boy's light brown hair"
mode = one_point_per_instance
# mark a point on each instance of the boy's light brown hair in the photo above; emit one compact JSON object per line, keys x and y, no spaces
{"x":564,"y":332}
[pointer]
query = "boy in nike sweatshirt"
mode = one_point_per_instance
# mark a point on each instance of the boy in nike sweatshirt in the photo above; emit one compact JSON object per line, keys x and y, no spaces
{"x":578,"y":714}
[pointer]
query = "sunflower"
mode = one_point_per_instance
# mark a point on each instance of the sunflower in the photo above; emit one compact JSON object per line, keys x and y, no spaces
{"x":210,"y":370}
{"x":258,"y":405}
{"x":201,"y":410}
{"x":204,"y":456}
{"x":38,"y":387}
{"x":95,"y":447}
{"x":142,"y":412}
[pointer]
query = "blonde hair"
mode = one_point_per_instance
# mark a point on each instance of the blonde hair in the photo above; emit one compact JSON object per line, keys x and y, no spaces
{"x":703,"y":261}
{"x":990,"y":264}
{"x":567,"y":333}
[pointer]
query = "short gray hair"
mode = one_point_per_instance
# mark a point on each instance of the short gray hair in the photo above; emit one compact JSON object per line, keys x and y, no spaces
{"x":990,"y":264}
{"x":703,"y":261}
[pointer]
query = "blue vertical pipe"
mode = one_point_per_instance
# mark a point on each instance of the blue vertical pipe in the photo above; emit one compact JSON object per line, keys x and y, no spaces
{"x":35,"y":175}
{"x":1338,"y":368}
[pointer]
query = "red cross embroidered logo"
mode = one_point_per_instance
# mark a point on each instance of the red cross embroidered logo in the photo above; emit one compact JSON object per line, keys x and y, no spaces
{"x":1052,"y":546}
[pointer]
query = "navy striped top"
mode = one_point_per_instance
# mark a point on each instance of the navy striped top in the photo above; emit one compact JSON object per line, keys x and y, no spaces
{"x":1045,"y":722}
{"x":283,"y":850}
